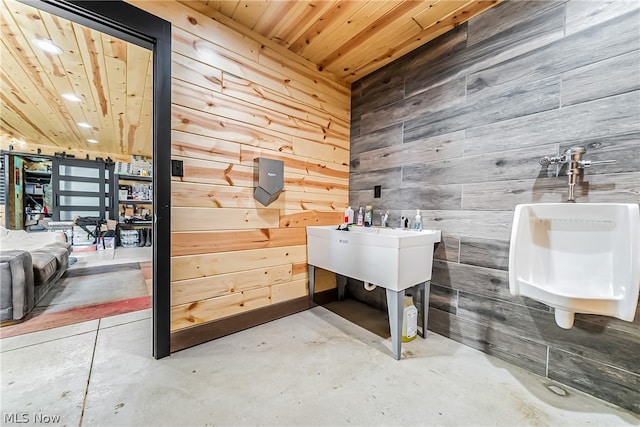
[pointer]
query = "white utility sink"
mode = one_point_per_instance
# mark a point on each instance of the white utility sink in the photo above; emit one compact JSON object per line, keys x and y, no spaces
{"x":394,"y":259}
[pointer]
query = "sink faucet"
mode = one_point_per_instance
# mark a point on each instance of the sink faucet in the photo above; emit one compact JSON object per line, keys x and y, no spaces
{"x":573,"y":157}
{"x":384,"y":218}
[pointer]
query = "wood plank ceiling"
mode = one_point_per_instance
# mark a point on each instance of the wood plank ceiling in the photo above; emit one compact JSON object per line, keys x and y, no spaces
{"x":350,"y":38}
{"x":111,"y":78}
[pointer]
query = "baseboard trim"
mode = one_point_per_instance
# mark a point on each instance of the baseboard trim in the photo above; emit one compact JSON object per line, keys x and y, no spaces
{"x":185,"y":338}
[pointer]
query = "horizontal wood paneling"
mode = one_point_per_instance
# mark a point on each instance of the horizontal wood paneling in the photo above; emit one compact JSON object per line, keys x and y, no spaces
{"x":612,"y":76}
{"x":602,"y":41}
{"x":490,"y":253}
{"x":361,"y":142}
{"x":516,"y":350}
{"x":585,"y":338}
{"x":200,"y":219}
{"x":437,"y":148}
{"x":203,"y":148}
{"x":205,"y":242}
{"x":237,"y":97}
{"x":450,"y":59}
{"x":298,"y":164}
{"x":190,"y":290}
{"x":448,"y":249}
{"x":598,"y":379}
{"x":607,"y":117}
{"x":185,"y":315}
{"x":193,"y":266}
{"x":534,"y":83}
{"x":293,"y":219}
{"x":203,"y":332}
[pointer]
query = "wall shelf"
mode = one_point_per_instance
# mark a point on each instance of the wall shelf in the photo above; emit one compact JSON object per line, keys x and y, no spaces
{"x":135,"y":202}
{"x":122,"y":177}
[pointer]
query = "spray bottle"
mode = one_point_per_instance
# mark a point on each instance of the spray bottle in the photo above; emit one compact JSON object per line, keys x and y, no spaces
{"x":360,"y":217}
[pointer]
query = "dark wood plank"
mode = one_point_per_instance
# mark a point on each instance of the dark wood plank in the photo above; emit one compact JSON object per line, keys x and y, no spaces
{"x":420,"y":61}
{"x":597,"y":379}
{"x":447,"y":95}
{"x":479,"y":281}
{"x":582,"y":15}
{"x":593,"y":188}
{"x":612,"y":76}
{"x":624,"y":149}
{"x":378,"y":139}
{"x":395,"y":199}
{"x":498,"y":106}
{"x":453,"y":223}
{"x":448,"y":249}
{"x":513,"y":20}
{"x":366,"y":181}
{"x":615,"y":115}
{"x":606,"y":40}
{"x":443,"y":299}
{"x":375,"y":93}
{"x":516,"y":350}
{"x":587,"y":339}
{"x":508,"y":165}
{"x":488,"y":253}
{"x":437,"y":148}
{"x":530,"y":33}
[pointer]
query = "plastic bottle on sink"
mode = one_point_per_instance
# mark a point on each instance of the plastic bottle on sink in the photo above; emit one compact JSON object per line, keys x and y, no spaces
{"x":417,"y":225}
{"x":360,"y":217}
{"x":348,"y":216}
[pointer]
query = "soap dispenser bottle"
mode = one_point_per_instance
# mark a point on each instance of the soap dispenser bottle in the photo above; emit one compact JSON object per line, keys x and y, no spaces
{"x":417,"y":225}
{"x":360,"y":217}
{"x":368,"y":216}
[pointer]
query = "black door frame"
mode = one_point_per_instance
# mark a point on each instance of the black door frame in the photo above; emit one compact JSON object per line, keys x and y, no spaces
{"x":127,"y":22}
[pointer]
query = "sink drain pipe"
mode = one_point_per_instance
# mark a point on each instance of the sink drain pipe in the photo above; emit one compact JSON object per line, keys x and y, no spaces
{"x":368,"y":286}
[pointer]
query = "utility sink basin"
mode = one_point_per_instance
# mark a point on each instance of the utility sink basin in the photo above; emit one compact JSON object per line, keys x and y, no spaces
{"x":394,"y":259}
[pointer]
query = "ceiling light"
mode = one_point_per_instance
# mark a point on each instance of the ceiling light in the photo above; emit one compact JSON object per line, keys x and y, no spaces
{"x":85,"y":125}
{"x":93,"y":141}
{"x":48,"y":46}
{"x":71,"y":97}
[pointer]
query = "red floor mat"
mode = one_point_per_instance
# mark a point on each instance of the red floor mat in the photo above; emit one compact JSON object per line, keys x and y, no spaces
{"x":75,"y":315}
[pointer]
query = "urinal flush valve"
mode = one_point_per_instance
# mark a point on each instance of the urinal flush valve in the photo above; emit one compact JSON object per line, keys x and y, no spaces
{"x":573,"y":158}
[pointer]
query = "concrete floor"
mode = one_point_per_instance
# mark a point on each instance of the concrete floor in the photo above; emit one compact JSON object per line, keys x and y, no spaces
{"x":312,"y":368}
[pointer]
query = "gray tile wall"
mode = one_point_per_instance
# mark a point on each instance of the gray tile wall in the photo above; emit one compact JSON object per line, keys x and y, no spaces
{"x":456,"y":129}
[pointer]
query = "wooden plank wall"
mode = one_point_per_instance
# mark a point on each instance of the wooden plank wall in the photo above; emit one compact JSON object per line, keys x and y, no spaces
{"x":457,"y":128}
{"x":236,"y":97}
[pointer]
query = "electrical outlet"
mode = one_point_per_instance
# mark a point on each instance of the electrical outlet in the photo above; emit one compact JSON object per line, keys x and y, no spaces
{"x":176,"y":168}
{"x":376,"y":191}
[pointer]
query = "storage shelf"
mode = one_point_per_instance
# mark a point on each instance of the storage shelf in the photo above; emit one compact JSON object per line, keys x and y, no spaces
{"x":135,"y":202}
{"x":134,"y":178}
{"x":126,"y":224}
{"x":38,"y":173}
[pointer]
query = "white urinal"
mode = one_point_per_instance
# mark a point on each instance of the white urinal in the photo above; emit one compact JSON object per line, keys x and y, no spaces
{"x":577,"y":258}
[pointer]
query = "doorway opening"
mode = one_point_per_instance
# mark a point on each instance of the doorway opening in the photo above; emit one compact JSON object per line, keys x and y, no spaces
{"x":134,"y":26}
